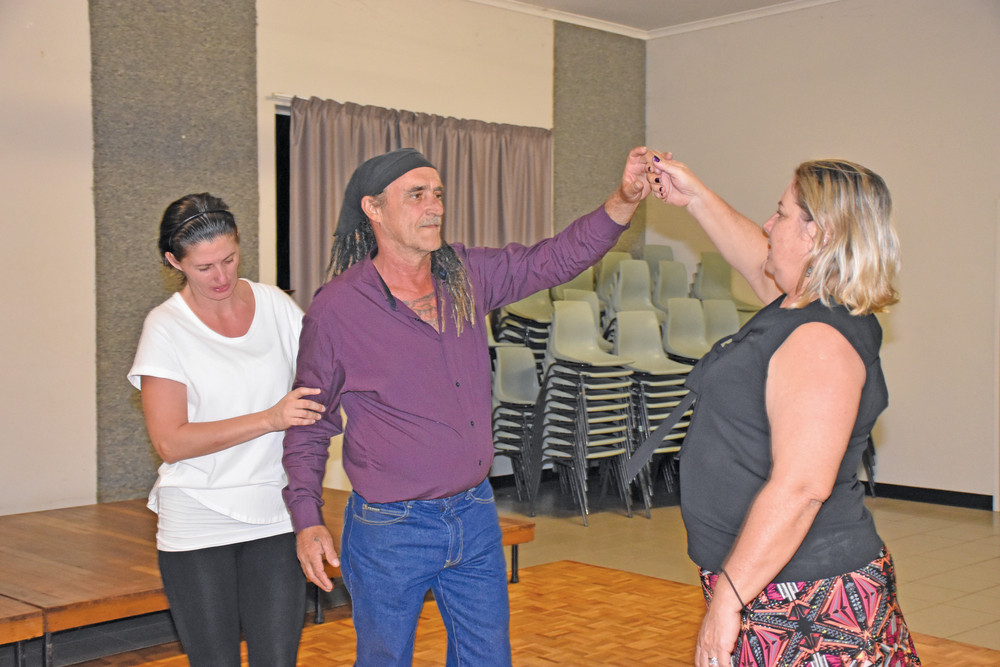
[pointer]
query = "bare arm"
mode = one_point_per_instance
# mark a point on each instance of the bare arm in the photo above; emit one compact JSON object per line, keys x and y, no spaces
{"x":164,"y":403}
{"x":813,"y":392}
{"x":740,"y":240}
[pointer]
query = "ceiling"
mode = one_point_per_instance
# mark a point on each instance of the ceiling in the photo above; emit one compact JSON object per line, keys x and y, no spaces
{"x":650,"y":18}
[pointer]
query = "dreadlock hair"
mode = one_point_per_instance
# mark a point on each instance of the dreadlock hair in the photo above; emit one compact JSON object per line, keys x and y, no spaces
{"x":446,"y":265}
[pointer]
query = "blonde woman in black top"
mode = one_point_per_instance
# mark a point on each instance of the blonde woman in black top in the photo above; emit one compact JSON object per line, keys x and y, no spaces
{"x":792,"y":567}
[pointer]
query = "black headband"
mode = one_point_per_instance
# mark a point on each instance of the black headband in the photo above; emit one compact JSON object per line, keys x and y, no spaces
{"x":179,"y":228}
{"x":201,"y":213}
{"x":370,"y":179}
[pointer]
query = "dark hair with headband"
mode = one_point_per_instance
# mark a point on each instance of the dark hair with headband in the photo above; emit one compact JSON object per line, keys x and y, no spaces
{"x":193,"y":219}
{"x":354,"y":239}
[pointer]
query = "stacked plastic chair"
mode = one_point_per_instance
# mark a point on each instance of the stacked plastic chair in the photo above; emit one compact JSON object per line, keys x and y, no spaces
{"x":657,"y":388}
{"x":515,"y":390}
{"x":721,"y":319}
{"x":589,"y":297}
{"x":630,"y":291}
{"x":493,"y":343}
{"x":527,"y":322}
{"x":584,"y":281}
{"x":653,"y":254}
{"x":606,"y":271}
{"x":583,"y":416}
{"x":684,"y":330}
{"x":713,"y":279}
{"x":669,"y":280}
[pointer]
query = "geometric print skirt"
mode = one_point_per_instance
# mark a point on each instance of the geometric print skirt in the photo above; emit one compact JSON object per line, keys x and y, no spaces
{"x":852,"y":620}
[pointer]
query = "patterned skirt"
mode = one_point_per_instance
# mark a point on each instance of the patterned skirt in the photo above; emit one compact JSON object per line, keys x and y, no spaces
{"x":852,"y":620}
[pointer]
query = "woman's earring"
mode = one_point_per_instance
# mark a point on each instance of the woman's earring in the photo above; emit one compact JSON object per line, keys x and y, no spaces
{"x":809,"y":271}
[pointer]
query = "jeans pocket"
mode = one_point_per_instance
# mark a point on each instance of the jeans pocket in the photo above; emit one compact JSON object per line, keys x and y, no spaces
{"x":380,"y":514}
{"x":482,"y":493}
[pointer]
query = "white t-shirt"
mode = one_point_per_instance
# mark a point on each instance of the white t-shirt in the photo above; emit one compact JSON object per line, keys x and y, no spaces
{"x":225,"y":377}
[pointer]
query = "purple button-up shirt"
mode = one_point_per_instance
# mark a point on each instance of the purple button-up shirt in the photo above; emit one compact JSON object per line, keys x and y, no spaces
{"x":417,"y":401}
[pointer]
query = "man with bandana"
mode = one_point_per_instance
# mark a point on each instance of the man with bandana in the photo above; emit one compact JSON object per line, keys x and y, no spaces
{"x":397,"y":338}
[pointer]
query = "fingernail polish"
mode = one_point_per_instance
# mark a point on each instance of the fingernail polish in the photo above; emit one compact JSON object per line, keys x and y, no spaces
{"x":656,"y":158}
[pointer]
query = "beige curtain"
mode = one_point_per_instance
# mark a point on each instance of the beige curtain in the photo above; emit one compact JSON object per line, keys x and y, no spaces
{"x":497,"y":178}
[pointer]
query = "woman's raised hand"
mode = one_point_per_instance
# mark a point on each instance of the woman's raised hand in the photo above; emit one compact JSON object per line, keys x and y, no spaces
{"x":672,"y":181}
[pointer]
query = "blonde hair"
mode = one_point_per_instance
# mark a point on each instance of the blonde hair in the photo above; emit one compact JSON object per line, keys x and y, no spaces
{"x":856,"y":253}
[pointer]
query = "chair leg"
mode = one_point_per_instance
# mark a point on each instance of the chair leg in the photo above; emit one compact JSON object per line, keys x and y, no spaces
{"x":578,"y":489}
{"x":517,"y":467}
{"x":645,"y":484}
{"x":668,"y":466}
{"x":624,"y":488}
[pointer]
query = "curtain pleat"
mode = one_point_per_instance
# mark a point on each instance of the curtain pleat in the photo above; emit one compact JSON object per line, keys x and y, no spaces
{"x":497,"y":178}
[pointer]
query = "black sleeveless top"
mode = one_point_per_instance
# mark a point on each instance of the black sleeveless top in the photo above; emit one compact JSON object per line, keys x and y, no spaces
{"x":726,"y":455}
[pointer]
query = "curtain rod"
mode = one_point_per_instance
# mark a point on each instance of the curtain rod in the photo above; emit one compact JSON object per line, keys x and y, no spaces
{"x":281,"y":98}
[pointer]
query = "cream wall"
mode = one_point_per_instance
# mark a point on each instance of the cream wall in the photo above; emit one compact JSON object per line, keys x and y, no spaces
{"x":909,"y":88}
{"x":47,"y":406}
{"x":445,"y":57}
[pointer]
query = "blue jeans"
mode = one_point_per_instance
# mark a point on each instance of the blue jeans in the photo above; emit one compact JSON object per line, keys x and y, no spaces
{"x":393,"y":553}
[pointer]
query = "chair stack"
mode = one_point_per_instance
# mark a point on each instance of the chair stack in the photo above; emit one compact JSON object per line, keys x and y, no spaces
{"x":684,"y":337}
{"x":601,"y":396}
{"x":653,"y":254}
{"x":607,"y":269}
{"x":590,"y":298}
{"x":669,"y":280}
{"x":584,"y":413}
{"x":721,"y":319}
{"x":584,"y":281}
{"x":515,"y":390}
{"x":527,"y":323}
{"x":657,"y":388}
{"x":713,"y":278}
{"x":631,"y":290}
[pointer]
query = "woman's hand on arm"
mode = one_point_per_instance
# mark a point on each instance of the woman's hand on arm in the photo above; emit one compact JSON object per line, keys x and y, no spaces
{"x":741,"y":241}
{"x":813,"y":391}
{"x":164,"y":404}
{"x":294,"y":409}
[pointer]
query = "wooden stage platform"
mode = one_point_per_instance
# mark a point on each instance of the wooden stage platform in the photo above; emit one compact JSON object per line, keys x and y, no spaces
{"x":568,"y":613}
{"x":67,"y":568}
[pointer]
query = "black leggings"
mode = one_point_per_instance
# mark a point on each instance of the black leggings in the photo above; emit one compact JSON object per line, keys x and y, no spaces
{"x":257,"y":587}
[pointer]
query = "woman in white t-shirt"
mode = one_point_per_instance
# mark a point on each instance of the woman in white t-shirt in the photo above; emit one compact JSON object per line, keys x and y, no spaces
{"x":215,"y":364}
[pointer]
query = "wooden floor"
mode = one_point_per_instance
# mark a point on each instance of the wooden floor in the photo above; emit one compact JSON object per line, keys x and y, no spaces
{"x":568,"y":613}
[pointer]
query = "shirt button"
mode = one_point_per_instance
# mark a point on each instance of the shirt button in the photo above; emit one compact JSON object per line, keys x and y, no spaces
{"x":472,"y":423}
{"x":458,"y":384}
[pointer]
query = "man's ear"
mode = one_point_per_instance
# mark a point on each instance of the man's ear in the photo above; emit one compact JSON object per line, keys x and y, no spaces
{"x":370,"y":208}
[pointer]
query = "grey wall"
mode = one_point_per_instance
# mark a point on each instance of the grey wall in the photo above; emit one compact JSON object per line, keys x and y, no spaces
{"x":599,"y":114}
{"x":174,"y":107}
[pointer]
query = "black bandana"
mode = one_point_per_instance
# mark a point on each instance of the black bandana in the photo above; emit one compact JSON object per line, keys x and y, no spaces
{"x":370,"y":179}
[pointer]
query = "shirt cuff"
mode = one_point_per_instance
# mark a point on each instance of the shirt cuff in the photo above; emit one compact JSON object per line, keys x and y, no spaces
{"x":305,"y":514}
